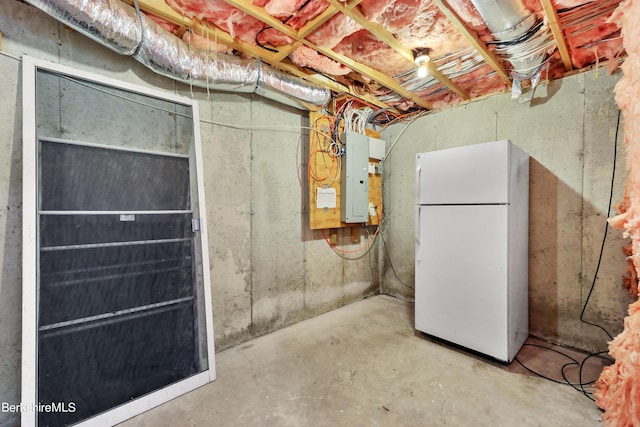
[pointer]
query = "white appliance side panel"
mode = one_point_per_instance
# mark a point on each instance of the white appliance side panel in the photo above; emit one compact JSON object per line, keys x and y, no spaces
{"x":464,"y":175}
{"x":461,"y":276}
{"x":518,"y":251}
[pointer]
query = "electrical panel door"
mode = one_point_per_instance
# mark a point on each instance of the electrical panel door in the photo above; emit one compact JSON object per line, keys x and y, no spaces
{"x":354,"y":191}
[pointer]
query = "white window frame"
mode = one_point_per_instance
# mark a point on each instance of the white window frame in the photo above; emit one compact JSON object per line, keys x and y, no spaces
{"x":30,"y":66}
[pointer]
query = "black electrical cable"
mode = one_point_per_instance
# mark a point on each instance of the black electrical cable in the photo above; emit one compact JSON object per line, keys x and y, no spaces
{"x":386,"y":252}
{"x":574,"y":361}
{"x":336,"y":125}
{"x":373,"y":116}
{"x":534,"y":29}
{"x":579,"y":386}
{"x":606,"y":229}
{"x":293,"y":15}
{"x":260,"y":44}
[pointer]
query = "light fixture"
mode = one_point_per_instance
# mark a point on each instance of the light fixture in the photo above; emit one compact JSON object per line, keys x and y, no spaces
{"x":421,"y":58}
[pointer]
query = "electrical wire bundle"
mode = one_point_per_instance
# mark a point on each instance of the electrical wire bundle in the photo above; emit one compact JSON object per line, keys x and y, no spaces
{"x":361,"y":250}
{"x":581,"y":20}
{"x":327,"y":150}
{"x":327,"y":143}
{"x":584,"y":387}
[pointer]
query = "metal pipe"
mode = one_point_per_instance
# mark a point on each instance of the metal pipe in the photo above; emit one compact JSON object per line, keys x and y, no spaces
{"x":501,"y":15}
{"x":117,"y":26}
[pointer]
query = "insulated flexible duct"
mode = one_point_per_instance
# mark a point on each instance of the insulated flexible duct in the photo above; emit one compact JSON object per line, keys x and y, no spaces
{"x":117,"y":26}
{"x":521,"y":39}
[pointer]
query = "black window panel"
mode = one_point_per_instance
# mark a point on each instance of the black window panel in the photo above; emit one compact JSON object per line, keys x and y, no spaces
{"x":75,"y":177}
{"x":139,"y":276}
{"x":117,"y":304}
{"x":65,"y":230}
{"x":111,"y":363}
{"x":56,"y":266}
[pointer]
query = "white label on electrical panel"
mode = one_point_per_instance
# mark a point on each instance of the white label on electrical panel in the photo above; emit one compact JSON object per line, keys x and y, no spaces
{"x":127,"y":217}
{"x":326,"y":198}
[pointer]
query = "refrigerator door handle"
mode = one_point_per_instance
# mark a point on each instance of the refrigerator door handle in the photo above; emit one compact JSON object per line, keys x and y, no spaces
{"x":418,"y":182}
{"x":417,"y":234}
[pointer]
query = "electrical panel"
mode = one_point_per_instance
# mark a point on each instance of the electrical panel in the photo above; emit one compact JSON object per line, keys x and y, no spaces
{"x":354,"y":182}
{"x":325,"y":172}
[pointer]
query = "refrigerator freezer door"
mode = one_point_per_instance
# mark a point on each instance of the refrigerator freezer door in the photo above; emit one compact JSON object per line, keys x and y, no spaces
{"x":465,"y":175}
{"x":461,"y":276}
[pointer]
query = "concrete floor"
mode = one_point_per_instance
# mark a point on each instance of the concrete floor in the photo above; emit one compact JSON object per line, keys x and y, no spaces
{"x":363,"y":365}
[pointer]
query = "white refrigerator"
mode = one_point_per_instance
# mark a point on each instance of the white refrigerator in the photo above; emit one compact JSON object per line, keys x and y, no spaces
{"x":471,"y":258}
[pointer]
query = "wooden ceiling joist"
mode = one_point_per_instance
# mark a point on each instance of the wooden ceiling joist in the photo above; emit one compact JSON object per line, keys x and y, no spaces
{"x":364,"y":82}
{"x":374,"y":75}
{"x":386,"y":37}
{"x":316,"y":22}
{"x":161,"y":9}
{"x":552,"y":18}
{"x":474,"y":39}
{"x":259,"y":13}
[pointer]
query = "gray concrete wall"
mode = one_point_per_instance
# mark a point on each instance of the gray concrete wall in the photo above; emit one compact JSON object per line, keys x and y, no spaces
{"x":569,"y":129}
{"x":267,"y":269}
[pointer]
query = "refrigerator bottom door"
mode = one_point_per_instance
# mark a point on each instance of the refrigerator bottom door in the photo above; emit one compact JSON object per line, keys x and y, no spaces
{"x":461,"y":276}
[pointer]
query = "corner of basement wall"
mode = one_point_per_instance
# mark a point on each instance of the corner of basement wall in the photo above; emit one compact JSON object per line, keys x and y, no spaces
{"x":396,"y":245}
{"x":571,"y":166}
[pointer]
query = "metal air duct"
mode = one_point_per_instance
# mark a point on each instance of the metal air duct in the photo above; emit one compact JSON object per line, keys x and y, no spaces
{"x":119,"y":27}
{"x":521,"y":39}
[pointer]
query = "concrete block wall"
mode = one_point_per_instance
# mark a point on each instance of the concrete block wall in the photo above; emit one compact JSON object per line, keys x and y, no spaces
{"x":569,"y":129}
{"x":268,"y":270}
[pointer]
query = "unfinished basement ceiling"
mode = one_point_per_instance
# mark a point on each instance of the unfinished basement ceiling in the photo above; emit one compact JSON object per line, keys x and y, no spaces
{"x":366,"y":48}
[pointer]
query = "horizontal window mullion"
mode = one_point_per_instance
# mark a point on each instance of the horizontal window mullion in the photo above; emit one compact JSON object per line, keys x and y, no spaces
{"x":149,"y":212}
{"x":116,"y":314}
{"x":112,"y":147}
{"x":116,"y":276}
{"x":115,"y":266}
{"x":114,"y":244}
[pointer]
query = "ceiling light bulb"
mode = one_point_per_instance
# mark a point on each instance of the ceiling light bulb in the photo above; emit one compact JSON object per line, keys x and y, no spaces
{"x":422,"y":58}
{"x":422,"y":71}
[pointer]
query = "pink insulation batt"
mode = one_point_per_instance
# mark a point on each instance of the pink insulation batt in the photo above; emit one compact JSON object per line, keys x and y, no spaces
{"x":306,"y":57}
{"x":169,"y":26}
{"x":585,"y":41}
{"x":234,"y":21}
{"x":619,"y":384}
{"x":194,"y":41}
{"x":627,"y":90}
